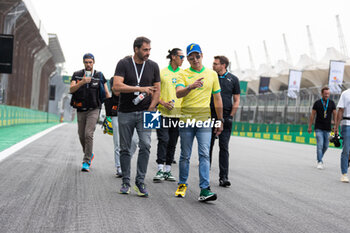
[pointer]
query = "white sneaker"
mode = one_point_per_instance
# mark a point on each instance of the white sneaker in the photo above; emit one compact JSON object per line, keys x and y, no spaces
{"x":344,"y":178}
{"x":320,"y":165}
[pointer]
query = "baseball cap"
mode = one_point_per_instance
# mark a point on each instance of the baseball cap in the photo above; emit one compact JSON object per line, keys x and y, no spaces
{"x":193,"y":48}
{"x":88,"y":56}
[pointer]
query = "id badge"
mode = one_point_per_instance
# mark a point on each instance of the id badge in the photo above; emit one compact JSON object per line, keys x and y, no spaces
{"x":137,"y":92}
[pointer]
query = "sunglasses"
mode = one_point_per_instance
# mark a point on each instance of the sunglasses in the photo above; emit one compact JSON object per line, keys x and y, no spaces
{"x":192,"y":58}
{"x":88,"y":62}
{"x":181,"y":56}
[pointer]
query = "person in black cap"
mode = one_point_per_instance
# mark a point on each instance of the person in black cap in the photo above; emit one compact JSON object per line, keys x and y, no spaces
{"x":85,"y":88}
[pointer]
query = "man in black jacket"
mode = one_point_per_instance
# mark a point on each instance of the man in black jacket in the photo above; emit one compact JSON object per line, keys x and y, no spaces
{"x":230,"y":90}
{"x":85,"y":87}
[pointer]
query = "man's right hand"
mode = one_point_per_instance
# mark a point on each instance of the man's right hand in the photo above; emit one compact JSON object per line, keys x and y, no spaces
{"x":148,"y":90}
{"x":336,"y":131}
{"x":309,"y":130}
{"x":86,"y":79}
{"x":198,"y":83}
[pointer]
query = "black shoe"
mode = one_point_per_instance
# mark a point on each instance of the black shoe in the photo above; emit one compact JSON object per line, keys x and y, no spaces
{"x":119,"y":173}
{"x":224,"y":183}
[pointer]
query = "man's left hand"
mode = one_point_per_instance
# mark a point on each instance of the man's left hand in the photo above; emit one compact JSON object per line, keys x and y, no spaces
{"x":218,"y":130}
{"x":229,"y":120}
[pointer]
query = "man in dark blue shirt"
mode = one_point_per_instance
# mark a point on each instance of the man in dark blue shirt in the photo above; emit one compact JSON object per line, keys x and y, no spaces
{"x":229,"y":90}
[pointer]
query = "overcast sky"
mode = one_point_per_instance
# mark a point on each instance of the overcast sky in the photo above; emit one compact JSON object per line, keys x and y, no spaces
{"x":107,"y":28}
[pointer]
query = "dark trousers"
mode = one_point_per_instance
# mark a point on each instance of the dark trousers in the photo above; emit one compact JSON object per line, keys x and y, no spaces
{"x":224,"y":139}
{"x":167,"y":139}
{"x":128,"y":122}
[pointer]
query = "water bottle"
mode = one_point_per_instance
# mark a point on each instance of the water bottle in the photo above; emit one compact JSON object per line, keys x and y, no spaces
{"x":173,"y":103}
{"x":139,"y":98}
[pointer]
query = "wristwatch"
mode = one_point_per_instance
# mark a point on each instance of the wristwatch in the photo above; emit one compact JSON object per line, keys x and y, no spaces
{"x":222,"y":120}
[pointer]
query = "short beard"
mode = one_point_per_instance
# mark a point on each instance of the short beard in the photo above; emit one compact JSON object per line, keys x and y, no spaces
{"x":139,"y":56}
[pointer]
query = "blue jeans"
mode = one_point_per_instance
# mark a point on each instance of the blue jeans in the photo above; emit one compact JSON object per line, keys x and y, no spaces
{"x":345,"y":133}
{"x":322,"y":143}
{"x":203,"y":136}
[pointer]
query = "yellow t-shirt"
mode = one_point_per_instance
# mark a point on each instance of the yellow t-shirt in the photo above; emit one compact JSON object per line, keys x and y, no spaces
{"x":168,"y":81}
{"x":196,"y":105}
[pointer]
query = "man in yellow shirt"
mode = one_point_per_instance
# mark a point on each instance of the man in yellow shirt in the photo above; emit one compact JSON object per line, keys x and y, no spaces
{"x":195,"y":86}
{"x":169,"y":106}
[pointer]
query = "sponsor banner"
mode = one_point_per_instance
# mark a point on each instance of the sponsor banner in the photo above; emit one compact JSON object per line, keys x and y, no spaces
{"x":264,"y":85}
{"x":294,"y":83}
{"x":6,"y":53}
{"x":336,"y":74}
{"x":243,"y":86}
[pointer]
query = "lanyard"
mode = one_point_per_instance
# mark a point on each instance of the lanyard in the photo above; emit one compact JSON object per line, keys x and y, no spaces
{"x":224,"y":75}
{"x":137,"y":74}
{"x":325,"y":108}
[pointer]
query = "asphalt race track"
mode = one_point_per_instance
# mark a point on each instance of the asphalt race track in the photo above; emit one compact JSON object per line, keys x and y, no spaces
{"x":275,"y":188}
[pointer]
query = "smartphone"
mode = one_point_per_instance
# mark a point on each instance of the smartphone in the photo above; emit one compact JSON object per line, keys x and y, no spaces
{"x":87,"y":73}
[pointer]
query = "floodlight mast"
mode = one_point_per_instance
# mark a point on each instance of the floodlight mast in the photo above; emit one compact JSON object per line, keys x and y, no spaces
{"x":268,"y":59}
{"x":288,"y":56}
{"x":252,"y":66}
{"x":311,"y":44}
{"x":343,"y":48}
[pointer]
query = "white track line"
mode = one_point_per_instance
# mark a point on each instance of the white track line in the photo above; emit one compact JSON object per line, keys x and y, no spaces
{"x":9,"y":151}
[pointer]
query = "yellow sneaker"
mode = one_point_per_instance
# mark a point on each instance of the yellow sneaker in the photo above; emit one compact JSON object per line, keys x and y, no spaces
{"x":181,"y":190}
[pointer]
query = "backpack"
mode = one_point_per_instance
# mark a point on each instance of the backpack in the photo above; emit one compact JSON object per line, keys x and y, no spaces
{"x":102,"y":94}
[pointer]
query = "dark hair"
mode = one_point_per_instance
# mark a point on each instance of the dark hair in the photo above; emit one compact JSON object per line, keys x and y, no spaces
{"x":324,"y":89}
{"x":223,"y":60}
{"x":172,"y":52}
{"x":139,"y":42}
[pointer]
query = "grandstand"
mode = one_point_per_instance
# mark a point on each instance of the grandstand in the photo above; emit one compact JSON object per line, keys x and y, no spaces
{"x":37,"y":62}
{"x":275,"y":106}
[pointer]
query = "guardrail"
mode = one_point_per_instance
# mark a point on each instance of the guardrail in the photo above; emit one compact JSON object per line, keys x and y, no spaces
{"x":277,"y":132}
{"x":11,"y":115}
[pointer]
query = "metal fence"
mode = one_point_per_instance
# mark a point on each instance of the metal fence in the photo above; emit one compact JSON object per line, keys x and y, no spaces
{"x":278,"y":108}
